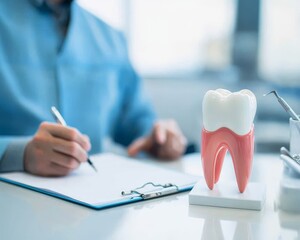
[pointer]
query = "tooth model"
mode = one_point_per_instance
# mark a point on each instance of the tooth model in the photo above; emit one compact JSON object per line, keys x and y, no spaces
{"x":228,"y":126}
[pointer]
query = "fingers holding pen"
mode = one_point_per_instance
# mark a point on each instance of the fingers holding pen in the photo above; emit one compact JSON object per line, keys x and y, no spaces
{"x":67,"y":133}
{"x":66,"y":162}
{"x":69,"y":148}
{"x":86,"y":144}
{"x":55,"y":150}
{"x":68,"y":141}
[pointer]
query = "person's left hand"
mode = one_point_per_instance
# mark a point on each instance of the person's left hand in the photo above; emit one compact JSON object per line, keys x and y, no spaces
{"x":166,"y":141}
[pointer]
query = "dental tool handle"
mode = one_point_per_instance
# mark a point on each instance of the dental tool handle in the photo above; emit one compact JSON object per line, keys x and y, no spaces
{"x":288,"y":109}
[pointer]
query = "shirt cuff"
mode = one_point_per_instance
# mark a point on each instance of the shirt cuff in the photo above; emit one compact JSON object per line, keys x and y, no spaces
{"x":12,"y":159}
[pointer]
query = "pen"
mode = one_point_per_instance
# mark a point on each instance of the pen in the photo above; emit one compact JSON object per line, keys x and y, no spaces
{"x":284,"y":104}
{"x":59,"y":119}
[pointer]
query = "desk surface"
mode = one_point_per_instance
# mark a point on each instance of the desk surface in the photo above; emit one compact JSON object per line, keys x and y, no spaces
{"x":26,"y":214}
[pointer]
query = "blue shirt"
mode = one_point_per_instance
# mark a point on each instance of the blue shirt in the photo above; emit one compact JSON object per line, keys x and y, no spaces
{"x":85,"y":74}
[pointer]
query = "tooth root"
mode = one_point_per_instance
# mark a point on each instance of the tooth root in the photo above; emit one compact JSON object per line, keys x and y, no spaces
{"x":208,"y":162}
{"x":242,"y":160}
{"x":214,"y":148}
{"x":212,"y":158}
{"x":219,"y":162}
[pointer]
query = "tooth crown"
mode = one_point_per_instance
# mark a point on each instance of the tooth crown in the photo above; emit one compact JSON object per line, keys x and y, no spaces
{"x":235,"y":111}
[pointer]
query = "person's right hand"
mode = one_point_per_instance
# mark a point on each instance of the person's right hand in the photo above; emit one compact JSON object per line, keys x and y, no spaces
{"x":55,"y":150}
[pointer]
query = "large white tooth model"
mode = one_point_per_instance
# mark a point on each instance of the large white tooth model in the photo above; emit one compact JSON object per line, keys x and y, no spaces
{"x":228,"y":125}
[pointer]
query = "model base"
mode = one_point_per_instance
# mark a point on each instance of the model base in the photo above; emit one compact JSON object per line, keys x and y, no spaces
{"x":225,"y":194}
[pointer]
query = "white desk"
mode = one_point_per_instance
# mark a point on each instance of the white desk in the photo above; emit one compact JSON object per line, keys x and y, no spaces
{"x":26,"y":214}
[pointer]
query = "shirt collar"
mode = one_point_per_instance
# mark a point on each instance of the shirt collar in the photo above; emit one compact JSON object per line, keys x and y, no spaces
{"x":44,"y":5}
{"x":60,"y":11}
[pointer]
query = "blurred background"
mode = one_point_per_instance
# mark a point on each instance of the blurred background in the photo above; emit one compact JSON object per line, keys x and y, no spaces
{"x":182,"y":48}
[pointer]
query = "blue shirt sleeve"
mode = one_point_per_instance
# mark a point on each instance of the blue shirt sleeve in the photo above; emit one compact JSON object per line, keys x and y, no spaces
{"x":12,"y":153}
{"x":137,"y":115}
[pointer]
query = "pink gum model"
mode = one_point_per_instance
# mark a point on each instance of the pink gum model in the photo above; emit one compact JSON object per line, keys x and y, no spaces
{"x":214,"y":147}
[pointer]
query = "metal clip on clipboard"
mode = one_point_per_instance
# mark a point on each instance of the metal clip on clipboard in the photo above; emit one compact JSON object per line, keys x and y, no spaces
{"x":164,"y":189}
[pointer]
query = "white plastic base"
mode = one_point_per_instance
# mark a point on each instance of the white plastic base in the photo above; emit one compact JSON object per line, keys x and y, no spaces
{"x":227,"y":195}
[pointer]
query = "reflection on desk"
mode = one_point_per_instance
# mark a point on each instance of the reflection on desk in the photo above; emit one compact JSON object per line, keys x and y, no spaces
{"x":28,"y":215}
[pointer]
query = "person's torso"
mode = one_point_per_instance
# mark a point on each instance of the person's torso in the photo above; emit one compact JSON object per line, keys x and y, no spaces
{"x":82,"y":79}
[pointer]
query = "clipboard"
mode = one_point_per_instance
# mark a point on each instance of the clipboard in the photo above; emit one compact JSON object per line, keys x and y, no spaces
{"x":119,"y":181}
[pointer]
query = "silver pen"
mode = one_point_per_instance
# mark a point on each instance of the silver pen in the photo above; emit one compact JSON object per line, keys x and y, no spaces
{"x":59,"y":119}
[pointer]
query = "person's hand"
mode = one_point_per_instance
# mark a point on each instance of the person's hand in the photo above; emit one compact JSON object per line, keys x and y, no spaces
{"x":166,"y":141}
{"x":55,"y":150}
